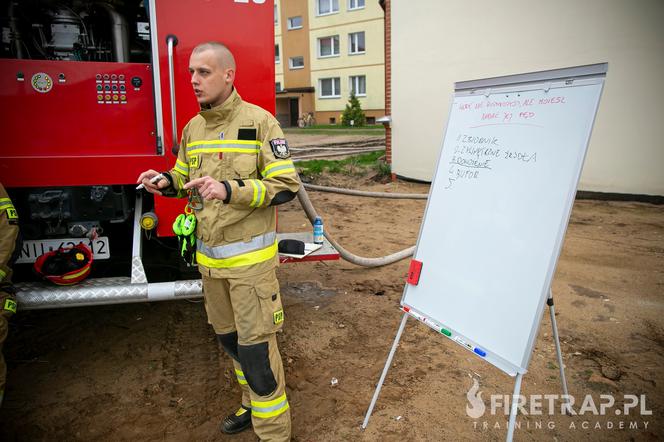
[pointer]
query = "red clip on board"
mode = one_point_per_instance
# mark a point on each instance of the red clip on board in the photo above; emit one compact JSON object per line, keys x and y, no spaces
{"x":414,"y":272}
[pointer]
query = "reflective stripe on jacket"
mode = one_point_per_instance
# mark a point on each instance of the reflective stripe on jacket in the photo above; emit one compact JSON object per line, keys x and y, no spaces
{"x":233,"y":143}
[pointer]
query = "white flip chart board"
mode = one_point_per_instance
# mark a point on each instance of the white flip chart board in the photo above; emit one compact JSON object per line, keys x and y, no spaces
{"x":499,"y":206}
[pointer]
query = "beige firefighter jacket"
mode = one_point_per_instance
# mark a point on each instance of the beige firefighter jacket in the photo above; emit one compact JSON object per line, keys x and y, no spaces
{"x":8,"y":234}
{"x":242,"y":146}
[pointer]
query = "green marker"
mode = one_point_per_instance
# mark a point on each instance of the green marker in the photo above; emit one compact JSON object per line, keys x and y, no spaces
{"x":446,"y":332}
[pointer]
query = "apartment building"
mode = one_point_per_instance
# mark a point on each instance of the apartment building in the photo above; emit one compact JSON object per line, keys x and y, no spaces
{"x":324,"y":49}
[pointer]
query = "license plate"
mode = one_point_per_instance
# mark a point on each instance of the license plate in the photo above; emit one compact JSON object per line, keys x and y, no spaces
{"x":32,"y":249}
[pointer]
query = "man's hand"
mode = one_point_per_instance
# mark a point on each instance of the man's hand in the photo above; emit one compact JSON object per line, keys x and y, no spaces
{"x":146,"y":179}
{"x":208,"y":188}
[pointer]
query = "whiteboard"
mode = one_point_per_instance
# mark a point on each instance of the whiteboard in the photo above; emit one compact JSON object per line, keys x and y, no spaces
{"x":499,"y":206}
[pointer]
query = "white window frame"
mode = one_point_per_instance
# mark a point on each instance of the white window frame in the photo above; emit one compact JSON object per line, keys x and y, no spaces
{"x":350,"y":5}
{"x":293,"y":67}
{"x":332,"y":38}
{"x":355,"y":79}
{"x":277,"y":86}
{"x":290,"y":23}
{"x":276,"y":15}
{"x":331,"y":5}
{"x":277,"y":53}
{"x":336,"y":93}
{"x":350,"y":43}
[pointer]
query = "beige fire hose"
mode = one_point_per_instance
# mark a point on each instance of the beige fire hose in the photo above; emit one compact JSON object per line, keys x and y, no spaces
{"x":309,"y":209}
{"x":414,"y":196}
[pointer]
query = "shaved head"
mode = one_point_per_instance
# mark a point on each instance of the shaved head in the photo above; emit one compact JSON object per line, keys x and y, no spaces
{"x":212,"y":69}
{"x":222,"y":53}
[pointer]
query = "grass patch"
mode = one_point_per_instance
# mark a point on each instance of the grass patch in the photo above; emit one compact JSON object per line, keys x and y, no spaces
{"x":353,"y":165}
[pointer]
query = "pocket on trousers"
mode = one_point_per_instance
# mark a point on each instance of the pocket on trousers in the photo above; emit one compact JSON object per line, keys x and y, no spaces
{"x":271,"y":312}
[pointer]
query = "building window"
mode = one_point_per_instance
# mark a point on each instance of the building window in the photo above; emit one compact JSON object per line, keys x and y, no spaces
{"x":324,"y":7}
{"x":330,"y":87}
{"x":277,"y":85}
{"x":354,"y":4}
{"x":328,"y":46}
{"x":371,"y":120}
{"x":277,"y":57}
{"x":356,"y":43}
{"x":296,"y":62}
{"x":333,"y":120}
{"x":276,"y":15}
{"x":358,"y":85}
{"x":295,"y":22}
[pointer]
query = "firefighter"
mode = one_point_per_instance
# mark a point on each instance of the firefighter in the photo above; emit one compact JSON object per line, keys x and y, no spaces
{"x":233,"y":157}
{"x":8,"y":235}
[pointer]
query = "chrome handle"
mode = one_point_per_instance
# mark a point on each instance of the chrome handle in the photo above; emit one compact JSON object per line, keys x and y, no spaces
{"x":172,"y":41}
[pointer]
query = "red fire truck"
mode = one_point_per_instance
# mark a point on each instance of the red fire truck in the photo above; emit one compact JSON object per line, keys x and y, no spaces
{"x":93,"y":93}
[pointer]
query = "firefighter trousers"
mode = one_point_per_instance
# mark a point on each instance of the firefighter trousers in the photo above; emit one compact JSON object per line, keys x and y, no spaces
{"x":246,"y":314}
{"x":7,"y":309}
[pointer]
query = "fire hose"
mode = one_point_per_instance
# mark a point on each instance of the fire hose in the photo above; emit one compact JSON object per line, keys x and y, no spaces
{"x":310,"y":210}
{"x":414,"y":196}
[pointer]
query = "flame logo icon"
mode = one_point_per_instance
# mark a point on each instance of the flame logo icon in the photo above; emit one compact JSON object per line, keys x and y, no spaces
{"x":476,"y":407}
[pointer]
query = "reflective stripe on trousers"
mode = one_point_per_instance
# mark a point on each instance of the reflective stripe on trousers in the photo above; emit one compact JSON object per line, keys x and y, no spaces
{"x":240,"y":377}
{"x":273,"y":408}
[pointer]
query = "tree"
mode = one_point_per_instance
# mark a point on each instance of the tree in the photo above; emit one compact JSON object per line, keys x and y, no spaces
{"x":353,"y":112}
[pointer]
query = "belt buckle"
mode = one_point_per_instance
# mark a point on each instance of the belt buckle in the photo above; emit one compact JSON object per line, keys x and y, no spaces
{"x":194,"y":199}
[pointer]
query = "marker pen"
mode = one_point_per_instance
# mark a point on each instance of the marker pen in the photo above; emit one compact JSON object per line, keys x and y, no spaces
{"x":153,"y":181}
{"x":415,"y":315}
{"x":478,"y":351}
{"x":428,"y":322}
{"x":464,"y":343}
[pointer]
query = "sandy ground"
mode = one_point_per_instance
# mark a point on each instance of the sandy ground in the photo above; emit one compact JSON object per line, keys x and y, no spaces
{"x":153,"y":371}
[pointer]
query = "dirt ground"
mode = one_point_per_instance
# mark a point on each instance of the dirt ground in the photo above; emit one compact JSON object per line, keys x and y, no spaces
{"x":154,"y":371}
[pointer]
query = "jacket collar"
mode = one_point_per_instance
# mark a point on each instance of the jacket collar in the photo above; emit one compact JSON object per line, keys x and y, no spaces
{"x":224,"y":111}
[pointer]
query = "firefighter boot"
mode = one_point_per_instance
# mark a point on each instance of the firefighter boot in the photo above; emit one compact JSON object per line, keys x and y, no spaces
{"x":238,"y":421}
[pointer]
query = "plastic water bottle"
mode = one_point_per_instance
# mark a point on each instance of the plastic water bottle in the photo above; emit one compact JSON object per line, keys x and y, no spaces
{"x":318,"y":230}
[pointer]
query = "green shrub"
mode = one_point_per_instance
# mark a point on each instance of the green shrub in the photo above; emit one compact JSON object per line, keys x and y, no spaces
{"x":354,"y":113}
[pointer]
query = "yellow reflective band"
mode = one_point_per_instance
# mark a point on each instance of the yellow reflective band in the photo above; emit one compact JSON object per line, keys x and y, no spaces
{"x":181,"y":167}
{"x":212,"y":146}
{"x":10,"y":305}
{"x":77,"y":274}
{"x":253,"y":199}
{"x":278,"y":168}
{"x":280,"y":172}
{"x":240,"y":378}
{"x":221,"y":142}
{"x":259,"y":193}
{"x":269,"y":408}
{"x":276,"y":164}
{"x":241,"y":411}
{"x":245,"y":259}
{"x":2,"y":274}
{"x":263,"y":193}
{"x":5,"y":202}
{"x":223,"y":149}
